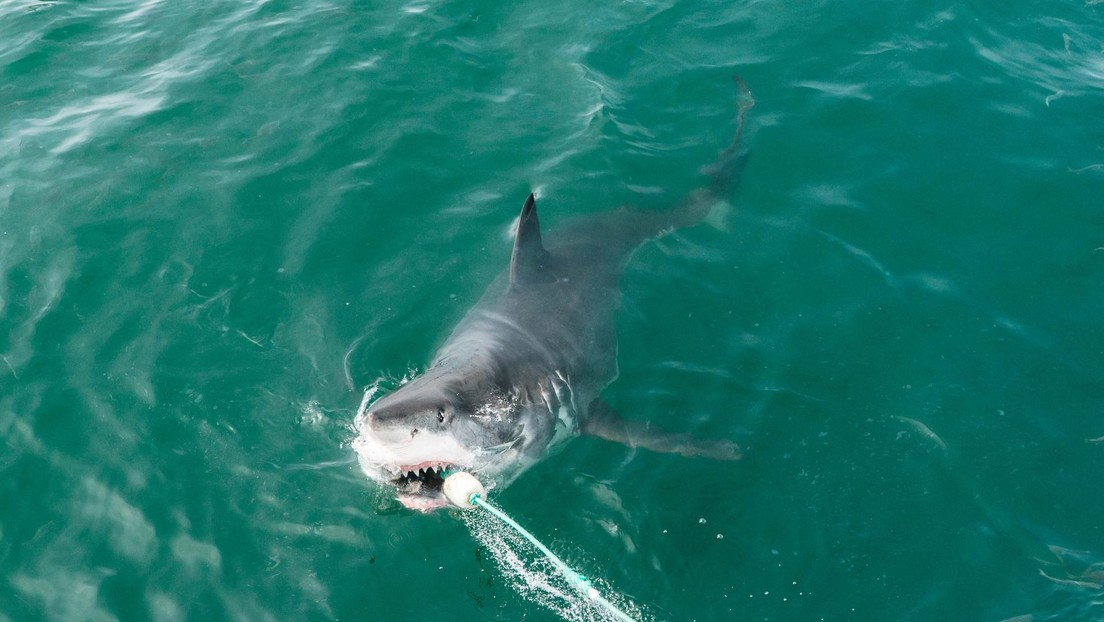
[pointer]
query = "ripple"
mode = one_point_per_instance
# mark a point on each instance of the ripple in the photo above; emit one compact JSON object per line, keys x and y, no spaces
{"x":65,"y":594}
{"x":164,"y":607}
{"x":1072,"y":66}
{"x":195,"y":557}
{"x":837,"y":89}
{"x":48,"y":284}
{"x":129,"y":532}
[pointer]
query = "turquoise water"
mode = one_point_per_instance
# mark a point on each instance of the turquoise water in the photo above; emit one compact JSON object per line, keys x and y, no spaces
{"x":221,"y":222}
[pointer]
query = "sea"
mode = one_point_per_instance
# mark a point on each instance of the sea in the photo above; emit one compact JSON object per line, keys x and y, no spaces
{"x":222,"y":223}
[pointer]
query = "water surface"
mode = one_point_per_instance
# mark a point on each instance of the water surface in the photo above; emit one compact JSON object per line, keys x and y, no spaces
{"x":220,"y":222}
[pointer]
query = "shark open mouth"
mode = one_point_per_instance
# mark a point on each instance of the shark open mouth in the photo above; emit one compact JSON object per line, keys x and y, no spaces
{"x":420,"y":485}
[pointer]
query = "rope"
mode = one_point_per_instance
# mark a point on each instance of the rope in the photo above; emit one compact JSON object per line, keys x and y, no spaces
{"x":579,"y":581}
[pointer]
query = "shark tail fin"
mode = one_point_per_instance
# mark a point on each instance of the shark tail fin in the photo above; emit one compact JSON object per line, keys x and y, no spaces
{"x":724,"y":172}
{"x":723,"y":176}
{"x":620,"y":232}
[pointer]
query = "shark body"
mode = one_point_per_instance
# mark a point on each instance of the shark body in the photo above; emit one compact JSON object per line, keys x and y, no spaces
{"x":524,"y":369}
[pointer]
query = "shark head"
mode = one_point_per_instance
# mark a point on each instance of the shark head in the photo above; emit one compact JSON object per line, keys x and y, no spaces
{"x":413,"y":437}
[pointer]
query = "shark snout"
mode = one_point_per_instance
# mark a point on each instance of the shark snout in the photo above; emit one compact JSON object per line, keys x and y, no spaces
{"x":392,"y":423}
{"x":390,"y":431}
{"x":412,"y":407}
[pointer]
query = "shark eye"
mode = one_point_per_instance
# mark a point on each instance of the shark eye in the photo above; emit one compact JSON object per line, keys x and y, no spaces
{"x":440,"y":415}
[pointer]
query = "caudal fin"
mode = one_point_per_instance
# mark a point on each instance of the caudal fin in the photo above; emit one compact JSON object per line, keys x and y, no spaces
{"x":621,"y":231}
{"x":724,"y":173}
{"x":723,"y":176}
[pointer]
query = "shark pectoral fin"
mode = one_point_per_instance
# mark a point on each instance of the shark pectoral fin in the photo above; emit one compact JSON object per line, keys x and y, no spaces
{"x":604,"y":422}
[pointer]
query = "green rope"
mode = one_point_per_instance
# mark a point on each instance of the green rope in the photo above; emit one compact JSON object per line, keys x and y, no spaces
{"x":579,"y":581}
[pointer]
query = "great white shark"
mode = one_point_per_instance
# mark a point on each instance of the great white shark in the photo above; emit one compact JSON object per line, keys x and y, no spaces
{"x":524,"y":369}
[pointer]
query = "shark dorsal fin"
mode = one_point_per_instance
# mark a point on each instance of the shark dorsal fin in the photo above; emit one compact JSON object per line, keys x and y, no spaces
{"x":529,"y":262}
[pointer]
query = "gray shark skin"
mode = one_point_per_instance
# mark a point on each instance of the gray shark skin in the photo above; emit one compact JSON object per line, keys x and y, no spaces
{"x":523,"y":370}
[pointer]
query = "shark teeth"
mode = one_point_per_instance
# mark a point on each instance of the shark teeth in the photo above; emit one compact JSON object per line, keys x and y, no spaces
{"x":411,"y":478}
{"x":419,"y":470}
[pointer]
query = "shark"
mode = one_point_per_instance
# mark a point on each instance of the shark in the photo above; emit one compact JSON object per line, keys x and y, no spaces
{"x":524,"y":369}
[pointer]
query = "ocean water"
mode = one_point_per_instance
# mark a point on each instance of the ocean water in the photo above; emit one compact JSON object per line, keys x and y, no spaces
{"x":221,"y":222}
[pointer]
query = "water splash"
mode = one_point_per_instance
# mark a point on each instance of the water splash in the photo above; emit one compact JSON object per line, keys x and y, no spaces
{"x":536,"y":578}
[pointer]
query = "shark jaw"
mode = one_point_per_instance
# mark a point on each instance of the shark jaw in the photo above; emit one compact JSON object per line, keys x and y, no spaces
{"x":415,"y":467}
{"x":419,"y":487}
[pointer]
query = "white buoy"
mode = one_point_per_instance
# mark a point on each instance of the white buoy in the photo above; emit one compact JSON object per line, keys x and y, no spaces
{"x":461,"y":487}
